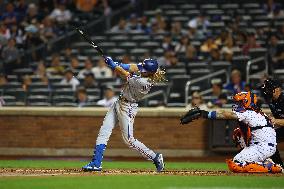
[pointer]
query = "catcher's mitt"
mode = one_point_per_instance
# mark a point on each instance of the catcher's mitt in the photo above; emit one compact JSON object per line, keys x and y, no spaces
{"x":193,"y":114}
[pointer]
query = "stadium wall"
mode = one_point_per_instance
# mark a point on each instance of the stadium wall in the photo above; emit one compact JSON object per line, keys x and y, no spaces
{"x":72,"y":132}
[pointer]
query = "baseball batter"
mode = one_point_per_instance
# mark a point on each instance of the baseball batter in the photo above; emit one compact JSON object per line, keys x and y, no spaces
{"x":139,"y":80}
{"x":257,"y":139}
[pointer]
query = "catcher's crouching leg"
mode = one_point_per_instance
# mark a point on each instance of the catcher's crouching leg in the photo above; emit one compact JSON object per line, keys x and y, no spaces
{"x":267,"y":167}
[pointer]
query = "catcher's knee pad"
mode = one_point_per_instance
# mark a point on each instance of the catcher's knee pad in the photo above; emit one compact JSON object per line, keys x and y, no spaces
{"x":235,"y":167}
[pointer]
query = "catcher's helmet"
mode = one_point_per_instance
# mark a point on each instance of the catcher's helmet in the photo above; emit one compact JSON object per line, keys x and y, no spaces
{"x":268,"y":87}
{"x":148,"y":65}
{"x":247,"y":100}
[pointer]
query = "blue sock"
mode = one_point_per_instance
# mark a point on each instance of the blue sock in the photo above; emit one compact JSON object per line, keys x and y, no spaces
{"x":98,"y":154}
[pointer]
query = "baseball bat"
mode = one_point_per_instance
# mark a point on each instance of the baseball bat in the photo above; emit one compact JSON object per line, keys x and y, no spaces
{"x":89,"y":40}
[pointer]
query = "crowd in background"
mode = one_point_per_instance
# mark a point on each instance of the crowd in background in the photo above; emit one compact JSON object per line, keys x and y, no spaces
{"x":24,"y":26}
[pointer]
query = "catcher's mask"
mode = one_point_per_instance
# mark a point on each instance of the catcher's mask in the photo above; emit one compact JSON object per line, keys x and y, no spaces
{"x":269,"y":86}
{"x":245,"y":100}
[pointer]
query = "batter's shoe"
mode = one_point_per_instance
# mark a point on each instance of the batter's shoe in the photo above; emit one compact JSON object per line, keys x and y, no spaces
{"x":159,"y":162}
{"x":91,"y":167}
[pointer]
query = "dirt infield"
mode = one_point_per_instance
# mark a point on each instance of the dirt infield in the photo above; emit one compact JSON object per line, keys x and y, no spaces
{"x":7,"y":172}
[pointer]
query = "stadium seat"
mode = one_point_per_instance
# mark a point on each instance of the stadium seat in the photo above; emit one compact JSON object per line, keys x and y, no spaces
{"x":62,"y":99}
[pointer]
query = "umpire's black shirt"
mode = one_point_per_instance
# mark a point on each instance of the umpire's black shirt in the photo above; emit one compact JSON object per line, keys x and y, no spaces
{"x":277,"y":107}
{"x":277,"y":110}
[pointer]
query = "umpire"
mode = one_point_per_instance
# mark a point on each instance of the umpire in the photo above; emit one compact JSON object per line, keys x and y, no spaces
{"x":273,"y":95}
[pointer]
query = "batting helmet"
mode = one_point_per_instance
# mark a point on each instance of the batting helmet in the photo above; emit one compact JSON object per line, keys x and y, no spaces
{"x":246,"y":100}
{"x":268,"y":87}
{"x":148,"y":65}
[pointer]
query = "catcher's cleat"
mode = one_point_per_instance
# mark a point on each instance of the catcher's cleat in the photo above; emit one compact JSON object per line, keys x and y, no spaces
{"x":159,"y":162}
{"x":276,"y":169}
{"x":91,"y":167}
{"x":235,"y":167}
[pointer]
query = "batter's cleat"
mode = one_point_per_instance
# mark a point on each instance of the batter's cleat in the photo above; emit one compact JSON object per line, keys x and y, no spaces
{"x":159,"y":162}
{"x":91,"y":167}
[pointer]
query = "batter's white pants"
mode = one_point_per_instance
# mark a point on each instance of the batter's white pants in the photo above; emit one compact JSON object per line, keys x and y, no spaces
{"x":123,"y":113}
{"x":256,"y":153}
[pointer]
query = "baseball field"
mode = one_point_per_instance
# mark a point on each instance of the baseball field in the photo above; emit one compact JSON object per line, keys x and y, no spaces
{"x":117,"y":174}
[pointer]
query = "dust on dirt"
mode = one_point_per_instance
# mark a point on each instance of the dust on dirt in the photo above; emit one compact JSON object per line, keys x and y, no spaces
{"x":5,"y":172}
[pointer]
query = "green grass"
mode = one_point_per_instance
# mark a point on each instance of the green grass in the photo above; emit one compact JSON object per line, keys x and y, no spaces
{"x":132,"y":181}
{"x":108,"y":165}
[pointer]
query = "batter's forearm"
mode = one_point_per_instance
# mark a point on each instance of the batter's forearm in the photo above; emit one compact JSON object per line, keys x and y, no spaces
{"x":121,"y":72}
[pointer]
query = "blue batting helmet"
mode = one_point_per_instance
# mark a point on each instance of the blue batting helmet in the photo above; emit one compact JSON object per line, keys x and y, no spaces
{"x":148,"y":65}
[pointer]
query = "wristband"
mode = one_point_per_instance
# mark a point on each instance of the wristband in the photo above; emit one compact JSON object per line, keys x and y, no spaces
{"x":212,"y":115}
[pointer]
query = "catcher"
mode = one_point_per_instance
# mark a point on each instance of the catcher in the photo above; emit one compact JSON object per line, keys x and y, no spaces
{"x":256,"y":134}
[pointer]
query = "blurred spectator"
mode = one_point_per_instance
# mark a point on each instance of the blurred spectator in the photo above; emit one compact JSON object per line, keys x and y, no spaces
{"x":48,"y":30}
{"x":21,"y":9}
{"x":215,"y":55}
{"x":194,"y":34}
{"x":10,"y":55}
{"x":86,"y":5}
{"x":156,"y":29}
{"x":133,"y":22}
{"x":144,"y":26}
{"x":82,"y":97}
{"x":10,"y":15}
{"x":32,"y":39}
{"x":222,"y":38}
{"x":250,"y":43}
{"x":89,"y":81}
{"x":221,"y":100}
{"x":3,"y":80}
{"x":4,"y":31}
{"x":217,"y":87}
{"x":167,"y":43}
{"x":68,"y":54}
{"x":277,"y":12}
{"x":74,"y":63}
{"x":27,"y":81}
{"x":88,"y":68}
{"x":236,"y":84}
{"x":269,"y":7}
{"x":18,"y":35}
{"x":109,"y":97}
{"x":168,"y":59}
{"x":182,"y":45}
{"x":121,"y":27}
{"x":191,"y":53}
{"x":200,"y":23}
{"x":41,"y":69}
{"x":208,"y":45}
{"x":101,"y":70}
{"x":227,"y":50}
{"x":126,"y":59}
{"x":197,"y":101}
{"x":32,"y":14}
{"x":176,"y":29}
{"x":158,"y":19}
{"x":60,"y":14}
{"x":69,"y":79}
{"x":56,"y":68}
{"x":275,"y":52}
{"x":10,"y":52}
